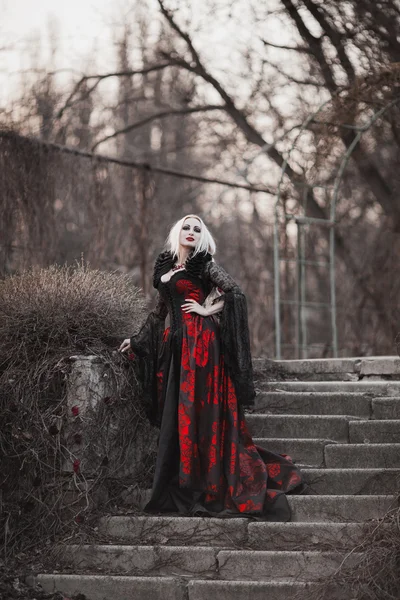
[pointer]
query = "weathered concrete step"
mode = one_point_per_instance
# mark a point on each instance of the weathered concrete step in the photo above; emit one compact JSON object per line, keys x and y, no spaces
{"x":255,"y":535}
{"x":104,"y":587}
{"x":175,"y":530}
{"x":142,"y":560}
{"x":234,"y":533}
{"x":314,"y":403}
{"x":259,"y":565}
{"x":362,"y":455}
{"x":374,"y":432}
{"x":355,"y":366}
{"x":255,"y":590}
{"x":375,"y":388}
{"x":201,"y":562}
{"x":305,"y":536}
{"x":352,"y":481}
{"x":338,"y":508}
{"x":317,"y":366}
{"x":386,"y":408}
{"x":305,"y":451}
{"x":334,"y":427}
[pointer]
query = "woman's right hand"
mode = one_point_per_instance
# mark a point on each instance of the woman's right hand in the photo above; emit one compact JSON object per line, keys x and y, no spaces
{"x":126,"y":345}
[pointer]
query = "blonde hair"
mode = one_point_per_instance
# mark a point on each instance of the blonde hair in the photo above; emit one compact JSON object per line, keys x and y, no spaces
{"x":206,"y":242}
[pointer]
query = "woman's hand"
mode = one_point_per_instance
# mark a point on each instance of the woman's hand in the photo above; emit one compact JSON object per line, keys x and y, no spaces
{"x":191,"y":305}
{"x":126,"y":345}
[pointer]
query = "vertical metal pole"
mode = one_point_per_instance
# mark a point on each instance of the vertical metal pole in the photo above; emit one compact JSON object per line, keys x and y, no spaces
{"x":277,"y":283}
{"x":303,"y":317}
{"x":298,"y":301}
{"x":333,"y":291}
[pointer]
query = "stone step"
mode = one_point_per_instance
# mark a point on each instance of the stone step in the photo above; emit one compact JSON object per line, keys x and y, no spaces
{"x":307,"y":367}
{"x":388,"y":366}
{"x":338,"y":508}
{"x":333,"y":427}
{"x":380,"y":365}
{"x":141,"y":561}
{"x":352,"y":481}
{"x":259,"y":565}
{"x":356,"y":456}
{"x":374,"y":432}
{"x":305,"y":536}
{"x":234,"y":533}
{"x":175,"y":530}
{"x":386,"y":408}
{"x":256,"y":590}
{"x":314,"y":403}
{"x":103,"y":587}
{"x":230,"y":533}
{"x":365,"y":386}
{"x":202,"y":562}
{"x":304,"y":451}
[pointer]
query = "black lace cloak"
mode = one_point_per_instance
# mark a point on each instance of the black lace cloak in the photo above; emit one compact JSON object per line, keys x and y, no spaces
{"x":235,"y":339}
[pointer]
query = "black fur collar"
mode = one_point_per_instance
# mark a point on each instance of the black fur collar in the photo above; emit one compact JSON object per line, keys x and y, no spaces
{"x":165,"y":261}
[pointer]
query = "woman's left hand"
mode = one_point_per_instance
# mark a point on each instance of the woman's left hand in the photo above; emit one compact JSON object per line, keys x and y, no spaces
{"x":191,"y":305}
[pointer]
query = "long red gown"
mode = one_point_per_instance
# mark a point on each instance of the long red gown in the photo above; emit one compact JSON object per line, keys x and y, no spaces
{"x":207,"y":462}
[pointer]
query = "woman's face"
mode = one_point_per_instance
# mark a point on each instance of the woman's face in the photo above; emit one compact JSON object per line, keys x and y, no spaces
{"x":190,"y":233}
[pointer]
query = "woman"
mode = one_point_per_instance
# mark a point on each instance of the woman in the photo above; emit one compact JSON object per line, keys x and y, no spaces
{"x":197,"y":376}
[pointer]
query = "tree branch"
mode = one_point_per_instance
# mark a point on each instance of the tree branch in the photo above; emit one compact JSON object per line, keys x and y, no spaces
{"x":70,"y":102}
{"x":301,"y":49}
{"x":294,"y":79}
{"x":313,"y":42}
{"x":182,"y":34}
{"x":237,"y":115}
{"x":159,"y":115}
{"x":334,"y":35}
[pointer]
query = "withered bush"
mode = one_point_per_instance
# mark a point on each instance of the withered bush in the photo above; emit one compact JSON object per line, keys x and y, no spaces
{"x":371,"y":570}
{"x":46,"y":316}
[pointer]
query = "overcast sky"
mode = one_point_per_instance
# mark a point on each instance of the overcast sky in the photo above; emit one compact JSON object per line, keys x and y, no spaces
{"x":86,"y":30}
{"x":83,"y":28}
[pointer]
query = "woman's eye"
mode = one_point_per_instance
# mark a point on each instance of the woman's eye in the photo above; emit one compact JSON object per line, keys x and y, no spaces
{"x":196,"y":229}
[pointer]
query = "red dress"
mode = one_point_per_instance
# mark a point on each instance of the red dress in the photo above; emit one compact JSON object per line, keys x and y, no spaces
{"x":207,"y":462}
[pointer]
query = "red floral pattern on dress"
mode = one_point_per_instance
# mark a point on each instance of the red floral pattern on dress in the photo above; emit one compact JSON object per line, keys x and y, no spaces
{"x":187,"y":386}
{"x":202,"y":346}
{"x":190,"y":289}
{"x":190,"y":323}
{"x":273,"y":469}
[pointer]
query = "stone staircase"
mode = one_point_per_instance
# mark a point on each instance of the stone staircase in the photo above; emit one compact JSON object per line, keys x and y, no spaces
{"x":338,"y":419}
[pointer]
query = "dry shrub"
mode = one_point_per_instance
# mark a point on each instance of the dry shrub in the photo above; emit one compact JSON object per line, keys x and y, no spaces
{"x":45,"y":317}
{"x":376,"y":573}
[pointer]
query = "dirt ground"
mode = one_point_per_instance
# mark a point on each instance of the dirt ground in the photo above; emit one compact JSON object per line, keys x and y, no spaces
{"x":13,"y":584}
